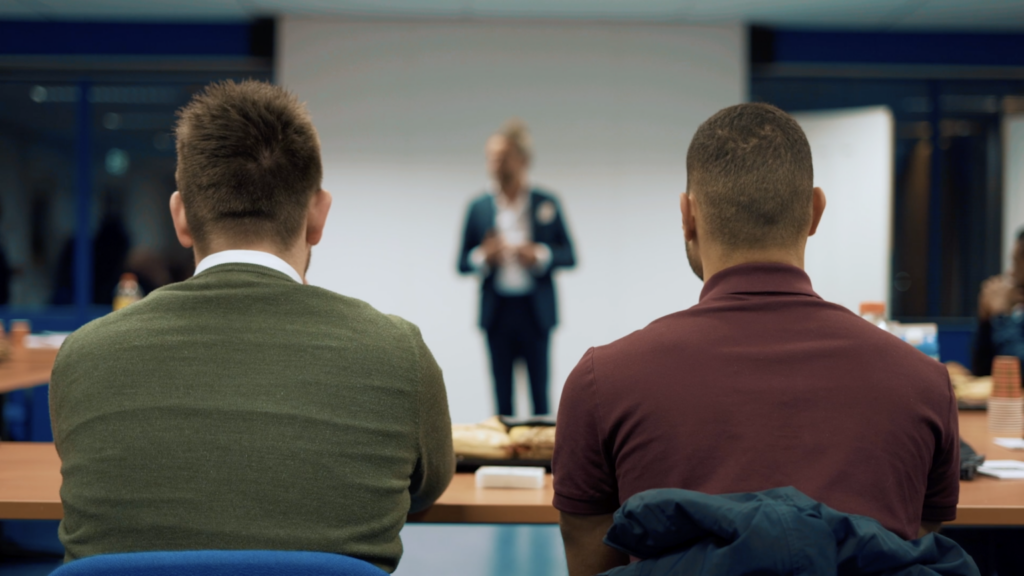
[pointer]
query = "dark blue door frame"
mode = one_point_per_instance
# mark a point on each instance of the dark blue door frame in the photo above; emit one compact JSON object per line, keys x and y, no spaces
{"x":935,"y":281}
{"x":83,"y":204}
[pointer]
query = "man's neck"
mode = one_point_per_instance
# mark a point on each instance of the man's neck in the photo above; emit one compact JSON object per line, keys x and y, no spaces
{"x":511,"y":191}
{"x":296,"y":256}
{"x":718,"y":259}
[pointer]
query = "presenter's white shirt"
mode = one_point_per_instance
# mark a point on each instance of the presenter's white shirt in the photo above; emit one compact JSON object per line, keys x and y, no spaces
{"x":512,"y":222}
{"x":256,"y":257}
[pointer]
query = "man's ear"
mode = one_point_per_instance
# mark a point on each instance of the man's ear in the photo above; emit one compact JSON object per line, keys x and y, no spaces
{"x":686,"y":207}
{"x":316,"y":216}
{"x":817,"y":209}
{"x":180,"y":221}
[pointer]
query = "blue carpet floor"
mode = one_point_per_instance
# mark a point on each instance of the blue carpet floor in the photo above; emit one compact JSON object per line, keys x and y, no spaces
{"x":432,"y":550}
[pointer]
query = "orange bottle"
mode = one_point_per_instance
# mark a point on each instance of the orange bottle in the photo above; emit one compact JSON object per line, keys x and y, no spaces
{"x":19,"y":329}
{"x":128,"y":291}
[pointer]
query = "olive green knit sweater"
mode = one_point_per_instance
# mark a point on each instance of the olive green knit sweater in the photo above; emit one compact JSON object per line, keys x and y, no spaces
{"x":242,"y":410}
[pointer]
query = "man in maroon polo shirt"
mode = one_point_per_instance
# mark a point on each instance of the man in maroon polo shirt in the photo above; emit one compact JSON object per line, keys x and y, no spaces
{"x":762,"y":383}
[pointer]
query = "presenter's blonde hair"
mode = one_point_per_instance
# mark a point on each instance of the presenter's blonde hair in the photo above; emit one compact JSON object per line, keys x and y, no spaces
{"x":515,"y":131}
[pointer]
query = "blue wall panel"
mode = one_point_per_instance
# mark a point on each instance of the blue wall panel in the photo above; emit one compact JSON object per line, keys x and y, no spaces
{"x":898,"y":48}
{"x":125,"y":39}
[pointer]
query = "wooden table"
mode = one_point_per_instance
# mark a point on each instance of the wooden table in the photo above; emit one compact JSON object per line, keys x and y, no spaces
{"x":30,"y":489}
{"x":29,"y":481}
{"x":986,"y":501}
{"x":464,"y":503}
{"x":26,"y":368}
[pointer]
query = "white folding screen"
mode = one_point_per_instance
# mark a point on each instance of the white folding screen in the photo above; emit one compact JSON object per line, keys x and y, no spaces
{"x":849,"y":259}
{"x":1013,"y":182}
{"x":403,"y":110}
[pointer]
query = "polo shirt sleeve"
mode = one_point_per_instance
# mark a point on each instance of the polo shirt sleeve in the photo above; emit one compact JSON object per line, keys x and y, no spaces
{"x":584,"y":473}
{"x":943,"y":490}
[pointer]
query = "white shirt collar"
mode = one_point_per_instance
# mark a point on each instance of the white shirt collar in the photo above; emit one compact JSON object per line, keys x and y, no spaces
{"x":256,"y":257}
{"x":521,"y":200}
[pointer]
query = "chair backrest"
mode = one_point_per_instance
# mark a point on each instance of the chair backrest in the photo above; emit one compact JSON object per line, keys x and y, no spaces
{"x":220,"y":563}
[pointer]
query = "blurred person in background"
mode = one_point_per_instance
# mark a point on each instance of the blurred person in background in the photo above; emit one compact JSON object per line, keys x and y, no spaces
{"x":150,"y":267}
{"x":1001,"y":314}
{"x":5,"y":270}
{"x":242,"y":409}
{"x":110,"y":249}
{"x":514,"y":239}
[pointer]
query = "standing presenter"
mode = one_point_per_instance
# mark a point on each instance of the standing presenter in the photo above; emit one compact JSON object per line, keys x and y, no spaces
{"x":515,"y":237}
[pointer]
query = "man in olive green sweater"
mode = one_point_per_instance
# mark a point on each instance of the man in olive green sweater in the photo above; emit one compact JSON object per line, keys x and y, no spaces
{"x":243,"y":409}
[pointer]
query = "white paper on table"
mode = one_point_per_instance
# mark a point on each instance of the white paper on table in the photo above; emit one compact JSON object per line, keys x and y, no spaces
{"x":1011,"y":443}
{"x":46,"y":340}
{"x":1003,"y":469}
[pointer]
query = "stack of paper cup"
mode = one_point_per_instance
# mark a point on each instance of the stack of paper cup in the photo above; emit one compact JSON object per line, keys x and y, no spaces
{"x":1006,"y":406}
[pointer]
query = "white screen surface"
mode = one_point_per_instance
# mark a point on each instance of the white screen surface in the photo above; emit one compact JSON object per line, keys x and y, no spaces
{"x":849,"y":259}
{"x":403,"y":111}
{"x":1013,"y":182}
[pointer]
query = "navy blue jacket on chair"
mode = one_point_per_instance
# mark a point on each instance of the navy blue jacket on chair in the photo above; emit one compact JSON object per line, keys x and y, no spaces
{"x":779,"y":531}
{"x":549,"y":228}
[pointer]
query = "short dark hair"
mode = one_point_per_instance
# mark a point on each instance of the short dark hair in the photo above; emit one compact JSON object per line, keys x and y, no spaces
{"x":248,"y":162}
{"x":749,"y":170}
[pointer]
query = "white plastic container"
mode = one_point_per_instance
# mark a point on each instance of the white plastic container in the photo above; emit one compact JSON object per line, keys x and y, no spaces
{"x":924,"y":337}
{"x":530,"y":477}
{"x":874,"y":312}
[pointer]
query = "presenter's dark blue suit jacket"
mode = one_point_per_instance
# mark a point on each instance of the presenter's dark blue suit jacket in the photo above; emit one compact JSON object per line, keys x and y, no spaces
{"x":551,"y":231}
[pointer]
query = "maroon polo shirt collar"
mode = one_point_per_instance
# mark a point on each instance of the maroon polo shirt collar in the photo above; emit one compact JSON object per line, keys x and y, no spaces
{"x":758,"y":278}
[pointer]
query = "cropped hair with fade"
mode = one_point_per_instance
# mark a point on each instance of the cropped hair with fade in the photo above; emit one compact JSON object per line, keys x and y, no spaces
{"x":248,"y":162}
{"x":749,"y":170}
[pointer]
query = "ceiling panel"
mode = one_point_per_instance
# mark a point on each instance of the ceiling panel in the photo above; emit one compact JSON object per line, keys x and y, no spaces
{"x":796,"y":12}
{"x":10,"y":9}
{"x":127,"y":9}
{"x":585,"y":9}
{"x":988,"y":14}
{"x":884,"y":14}
{"x":397,"y":8}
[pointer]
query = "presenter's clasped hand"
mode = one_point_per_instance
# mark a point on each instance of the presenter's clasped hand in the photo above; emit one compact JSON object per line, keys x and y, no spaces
{"x":527,"y":255}
{"x":494,"y":247}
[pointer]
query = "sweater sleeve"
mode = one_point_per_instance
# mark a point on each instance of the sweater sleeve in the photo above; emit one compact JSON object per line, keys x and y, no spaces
{"x":436,"y":459}
{"x":60,"y":380}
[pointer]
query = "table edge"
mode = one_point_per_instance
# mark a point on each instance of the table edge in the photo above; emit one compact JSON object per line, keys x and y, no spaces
{"x":988,"y":516}
{"x":31,"y":511}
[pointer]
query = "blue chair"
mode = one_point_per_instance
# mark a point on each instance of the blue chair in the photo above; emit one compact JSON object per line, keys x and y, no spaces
{"x":219,"y":563}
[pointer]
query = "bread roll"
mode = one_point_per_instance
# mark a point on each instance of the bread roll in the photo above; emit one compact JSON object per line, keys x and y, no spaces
{"x":533,"y":442}
{"x":487,"y":439}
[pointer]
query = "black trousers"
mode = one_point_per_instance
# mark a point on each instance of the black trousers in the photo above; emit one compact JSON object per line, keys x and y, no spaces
{"x":996,"y":551}
{"x":515,"y":334}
